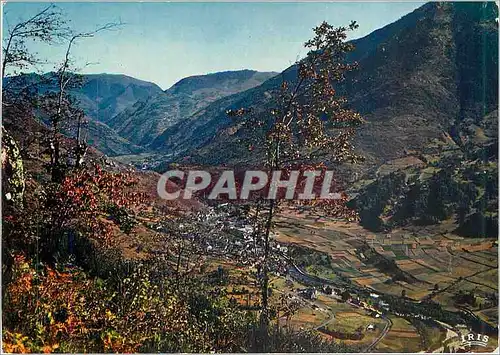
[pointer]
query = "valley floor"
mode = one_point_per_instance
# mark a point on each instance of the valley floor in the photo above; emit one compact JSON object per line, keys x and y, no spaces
{"x":439,"y":265}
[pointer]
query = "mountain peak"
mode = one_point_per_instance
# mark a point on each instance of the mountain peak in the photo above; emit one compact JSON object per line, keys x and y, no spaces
{"x":219,"y":79}
{"x":417,"y":77}
{"x":146,"y":119}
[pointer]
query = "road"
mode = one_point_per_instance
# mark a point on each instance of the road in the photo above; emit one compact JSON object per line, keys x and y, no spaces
{"x":388,"y":322}
{"x":302,"y":275}
{"x":315,"y":306}
{"x":326,"y":322}
{"x":296,"y":271}
{"x":388,"y":325}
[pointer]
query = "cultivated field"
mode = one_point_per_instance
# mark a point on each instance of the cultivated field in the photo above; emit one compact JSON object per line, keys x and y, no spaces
{"x":439,"y":266}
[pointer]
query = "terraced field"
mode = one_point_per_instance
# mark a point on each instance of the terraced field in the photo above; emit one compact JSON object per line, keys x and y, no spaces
{"x":350,"y":321}
{"x":489,"y":315}
{"x":441,"y":259}
{"x":307,"y":318}
{"x":441,"y":265}
{"x":403,"y":337}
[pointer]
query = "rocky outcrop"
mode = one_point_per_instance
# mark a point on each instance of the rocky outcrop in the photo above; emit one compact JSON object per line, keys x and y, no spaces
{"x":12,"y":172}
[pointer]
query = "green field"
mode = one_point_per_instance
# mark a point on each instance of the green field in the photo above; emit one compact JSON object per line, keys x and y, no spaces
{"x":435,"y":259}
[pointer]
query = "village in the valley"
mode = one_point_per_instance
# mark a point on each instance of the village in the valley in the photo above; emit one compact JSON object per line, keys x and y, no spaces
{"x":386,"y":292}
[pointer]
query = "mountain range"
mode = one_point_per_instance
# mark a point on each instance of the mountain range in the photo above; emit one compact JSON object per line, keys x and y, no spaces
{"x":423,"y":76}
{"x":427,"y":86}
{"x":146,"y":119}
{"x":125,"y":114}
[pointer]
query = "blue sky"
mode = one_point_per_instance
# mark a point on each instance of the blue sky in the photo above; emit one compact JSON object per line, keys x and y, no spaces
{"x":165,"y":42}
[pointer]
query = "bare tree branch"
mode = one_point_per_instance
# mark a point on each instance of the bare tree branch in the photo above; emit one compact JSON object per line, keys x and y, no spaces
{"x":46,"y":26}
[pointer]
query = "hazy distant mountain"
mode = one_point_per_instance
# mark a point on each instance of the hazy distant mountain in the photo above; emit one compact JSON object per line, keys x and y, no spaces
{"x":422,"y":76}
{"x":126,"y":113}
{"x":428,"y":87}
{"x":103,"y":96}
{"x":148,"y":118}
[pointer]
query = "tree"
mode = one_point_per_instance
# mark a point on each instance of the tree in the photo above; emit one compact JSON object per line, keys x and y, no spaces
{"x":309,"y":121}
{"x":46,"y":26}
{"x":62,"y":107}
{"x":187,"y":240}
{"x":19,"y":93}
{"x":345,"y":296}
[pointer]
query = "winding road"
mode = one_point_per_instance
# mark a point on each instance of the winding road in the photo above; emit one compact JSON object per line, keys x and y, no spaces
{"x":374,"y":343}
{"x":388,"y":326}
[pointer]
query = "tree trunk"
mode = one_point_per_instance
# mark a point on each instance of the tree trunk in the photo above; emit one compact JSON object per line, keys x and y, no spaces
{"x":13,"y":183}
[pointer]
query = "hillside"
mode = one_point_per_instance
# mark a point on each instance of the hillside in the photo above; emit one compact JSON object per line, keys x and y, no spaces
{"x":104,"y":138}
{"x":105,"y":95}
{"x":125,"y":113}
{"x":417,"y":78}
{"x":148,"y":118}
{"x":101,"y":96}
{"x":427,"y":87}
{"x":102,"y":253}
{"x":457,"y":184}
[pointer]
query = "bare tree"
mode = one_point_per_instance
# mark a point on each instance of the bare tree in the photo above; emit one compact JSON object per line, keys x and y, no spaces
{"x":62,"y":106}
{"x":188,"y":243}
{"x":46,"y":26}
{"x":19,"y":94}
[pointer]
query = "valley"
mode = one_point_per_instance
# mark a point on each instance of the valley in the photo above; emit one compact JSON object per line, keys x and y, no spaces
{"x":97,"y":257}
{"x":337,"y":290}
{"x":437,"y":262}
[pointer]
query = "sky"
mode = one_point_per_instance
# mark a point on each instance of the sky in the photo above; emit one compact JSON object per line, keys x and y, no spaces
{"x":163,"y":42}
